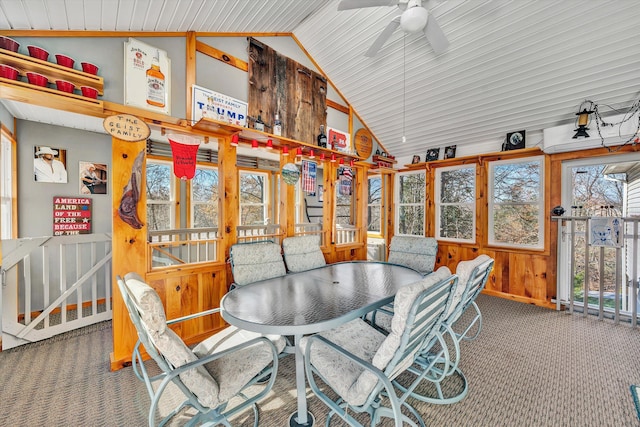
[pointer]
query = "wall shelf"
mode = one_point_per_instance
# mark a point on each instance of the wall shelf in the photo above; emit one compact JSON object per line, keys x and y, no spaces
{"x":246,"y":135}
{"x":31,"y":94}
{"x":52,"y":71}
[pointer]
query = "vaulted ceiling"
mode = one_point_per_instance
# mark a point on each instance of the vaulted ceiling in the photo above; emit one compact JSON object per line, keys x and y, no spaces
{"x":510,"y":65}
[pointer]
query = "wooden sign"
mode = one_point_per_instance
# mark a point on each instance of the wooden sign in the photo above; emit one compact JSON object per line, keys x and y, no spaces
{"x":71,"y":215}
{"x":126,"y":127}
{"x":363,"y":142}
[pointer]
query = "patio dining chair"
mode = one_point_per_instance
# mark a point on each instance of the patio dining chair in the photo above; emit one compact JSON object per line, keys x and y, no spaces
{"x":472,"y":278}
{"x":417,"y":252}
{"x":302,"y":253}
{"x":360,"y":364}
{"x":231,"y":364}
{"x":255,"y":261}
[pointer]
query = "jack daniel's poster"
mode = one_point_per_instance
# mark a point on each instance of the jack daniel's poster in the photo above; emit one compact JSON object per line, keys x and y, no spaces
{"x":147,"y":77}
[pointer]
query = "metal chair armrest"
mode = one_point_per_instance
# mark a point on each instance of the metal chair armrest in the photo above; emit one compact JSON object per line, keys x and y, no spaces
{"x":193,"y":316}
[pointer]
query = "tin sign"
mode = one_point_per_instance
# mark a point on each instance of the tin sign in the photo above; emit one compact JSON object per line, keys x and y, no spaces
{"x":218,"y":106}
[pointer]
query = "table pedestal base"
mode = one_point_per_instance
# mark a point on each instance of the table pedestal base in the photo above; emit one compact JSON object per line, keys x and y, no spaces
{"x":294,"y":423}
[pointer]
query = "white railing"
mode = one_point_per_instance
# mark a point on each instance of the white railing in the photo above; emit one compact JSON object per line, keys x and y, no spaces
{"x":606,"y":275}
{"x":310,"y":228}
{"x":182,"y":246}
{"x":254,"y":233}
{"x":52,"y":285}
{"x":346,"y":234}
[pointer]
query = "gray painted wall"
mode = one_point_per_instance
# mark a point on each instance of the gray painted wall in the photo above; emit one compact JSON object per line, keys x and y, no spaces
{"x":6,"y":118}
{"x":35,"y":199}
{"x":35,"y":207}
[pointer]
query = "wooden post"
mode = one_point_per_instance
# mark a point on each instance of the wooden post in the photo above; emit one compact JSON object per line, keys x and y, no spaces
{"x":129,"y":243}
{"x":228,"y":200}
{"x":287,"y":211}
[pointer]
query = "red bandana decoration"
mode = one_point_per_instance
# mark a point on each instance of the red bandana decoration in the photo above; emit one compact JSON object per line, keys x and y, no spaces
{"x":184,"y":149}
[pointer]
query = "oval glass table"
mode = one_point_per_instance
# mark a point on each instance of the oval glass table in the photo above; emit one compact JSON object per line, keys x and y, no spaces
{"x":313,"y":301}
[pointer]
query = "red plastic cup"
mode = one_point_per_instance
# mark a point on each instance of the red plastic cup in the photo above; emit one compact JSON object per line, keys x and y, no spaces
{"x":37,"y":79}
{"x":88,"y":67}
{"x":38,"y":52}
{"x":89,"y":92}
{"x":65,"y":86}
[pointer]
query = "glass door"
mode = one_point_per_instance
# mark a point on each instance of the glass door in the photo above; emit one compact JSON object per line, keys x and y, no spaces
{"x":590,"y":266}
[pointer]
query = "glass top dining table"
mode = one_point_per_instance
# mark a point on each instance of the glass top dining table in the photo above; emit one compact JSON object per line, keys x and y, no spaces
{"x":313,"y":301}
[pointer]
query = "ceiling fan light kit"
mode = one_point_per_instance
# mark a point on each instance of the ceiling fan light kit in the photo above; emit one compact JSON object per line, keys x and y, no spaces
{"x":415,"y":18}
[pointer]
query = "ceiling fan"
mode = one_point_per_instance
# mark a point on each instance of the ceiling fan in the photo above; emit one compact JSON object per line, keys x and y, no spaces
{"x":414,"y":18}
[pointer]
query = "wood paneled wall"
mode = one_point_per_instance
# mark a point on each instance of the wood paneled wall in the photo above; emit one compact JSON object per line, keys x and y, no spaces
{"x":280,"y":85}
{"x":528,"y":276}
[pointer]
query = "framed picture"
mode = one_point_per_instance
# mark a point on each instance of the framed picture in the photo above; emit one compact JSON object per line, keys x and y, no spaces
{"x":49,"y":164}
{"x":416,"y":159}
{"x":450,"y":152}
{"x":514,"y":141}
{"x":320,"y":193}
{"x":433,"y":154}
{"x":93,"y":178}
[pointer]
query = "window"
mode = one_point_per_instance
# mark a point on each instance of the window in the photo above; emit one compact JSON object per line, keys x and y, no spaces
{"x":204,"y":197}
{"x":161,"y":199}
{"x":516,"y":202}
{"x":253,"y":198}
{"x":456,"y":203}
{"x":344,"y":197}
{"x":410,"y":203}
{"x":374,"y":205}
{"x":7,"y":188}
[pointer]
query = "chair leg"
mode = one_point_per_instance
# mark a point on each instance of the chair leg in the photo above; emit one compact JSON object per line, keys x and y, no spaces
{"x":476,"y":320}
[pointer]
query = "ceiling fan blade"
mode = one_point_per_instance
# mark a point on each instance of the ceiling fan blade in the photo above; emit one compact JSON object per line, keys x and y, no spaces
{"x":435,"y":35}
{"x":383,"y":37}
{"x":357,"y":4}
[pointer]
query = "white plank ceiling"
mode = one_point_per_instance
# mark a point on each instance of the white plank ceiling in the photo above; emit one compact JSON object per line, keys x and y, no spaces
{"x":511,"y":65}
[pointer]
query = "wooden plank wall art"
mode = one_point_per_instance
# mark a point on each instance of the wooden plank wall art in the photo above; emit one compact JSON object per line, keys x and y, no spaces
{"x":280,"y":85}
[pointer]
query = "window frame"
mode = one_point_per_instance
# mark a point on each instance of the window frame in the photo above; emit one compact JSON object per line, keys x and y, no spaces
{"x":439,"y":204}
{"x":379,"y":205}
{"x":173,"y":202}
{"x":193,"y":202}
{"x":265,"y":196}
{"x":540,"y":245}
{"x":9,"y":182}
{"x":398,"y":205}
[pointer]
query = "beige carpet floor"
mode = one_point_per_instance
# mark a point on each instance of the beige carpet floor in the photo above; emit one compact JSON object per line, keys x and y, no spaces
{"x":529,"y":367}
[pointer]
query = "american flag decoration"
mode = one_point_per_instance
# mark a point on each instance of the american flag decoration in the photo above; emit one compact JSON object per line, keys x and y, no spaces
{"x":346,"y":176}
{"x":308,"y":176}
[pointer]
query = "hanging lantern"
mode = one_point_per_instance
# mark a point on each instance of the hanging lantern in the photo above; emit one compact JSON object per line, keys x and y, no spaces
{"x":583,"y":121}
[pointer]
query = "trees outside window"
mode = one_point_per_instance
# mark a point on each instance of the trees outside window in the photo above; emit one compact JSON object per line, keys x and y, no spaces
{"x":253,"y":198}
{"x":516,"y":203}
{"x":374,"y":205}
{"x":204,"y":197}
{"x":161,"y":201}
{"x":456,"y":203}
{"x":410,"y":203}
